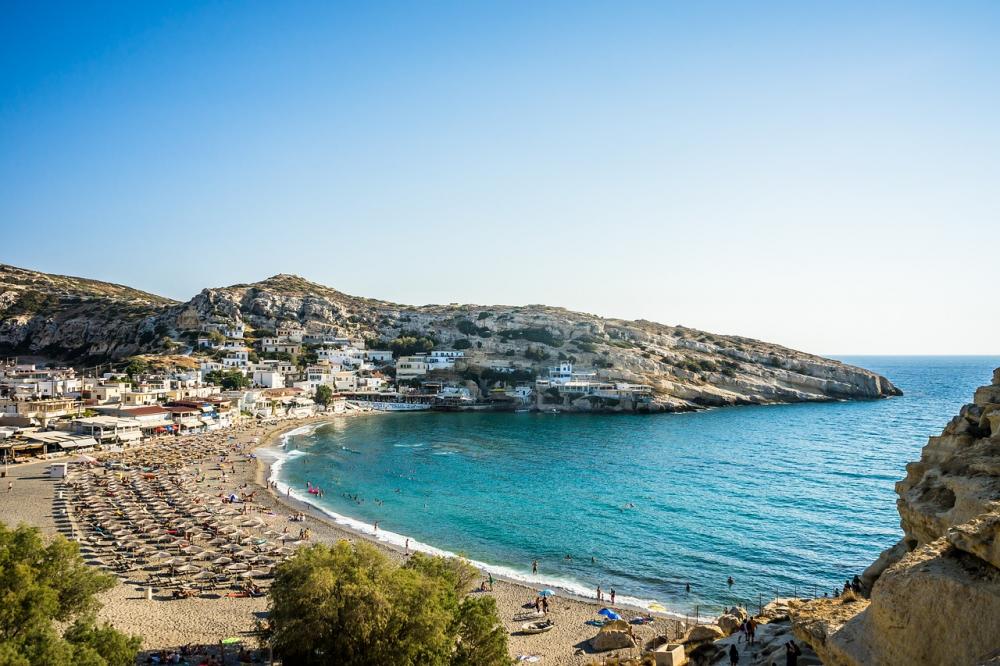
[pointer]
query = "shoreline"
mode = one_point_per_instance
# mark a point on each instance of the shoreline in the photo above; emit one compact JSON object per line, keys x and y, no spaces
{"x":221,"y":463}
{"x":267,"y":472}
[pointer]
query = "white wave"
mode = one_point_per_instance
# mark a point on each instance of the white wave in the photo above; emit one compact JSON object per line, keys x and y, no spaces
{"x":408,"y":446}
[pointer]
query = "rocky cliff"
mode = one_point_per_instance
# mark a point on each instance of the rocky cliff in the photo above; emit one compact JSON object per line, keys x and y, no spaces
{"x":64,"y":317}
{"x":935,"y":595}
{"x":687,"y":368}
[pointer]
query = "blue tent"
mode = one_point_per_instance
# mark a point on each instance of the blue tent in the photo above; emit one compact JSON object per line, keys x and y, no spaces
{"x":610,"y":614}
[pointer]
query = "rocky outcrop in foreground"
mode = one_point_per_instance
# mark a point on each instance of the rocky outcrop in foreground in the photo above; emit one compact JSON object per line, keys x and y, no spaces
{"x":935,"y":595}
{"x":75,"y":319}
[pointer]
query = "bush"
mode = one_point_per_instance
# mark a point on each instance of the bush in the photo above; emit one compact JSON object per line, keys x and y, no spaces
{"x":535,"y":354}
{"x":468,"y":328}
{"x":462,"y":343}
{"x":136,"y":366}
{"x":539,"y":335}
{"x":46,"y":584}
{"x":230,"y":381}
{"x":348,"y":604}
{"x":408,"y":344}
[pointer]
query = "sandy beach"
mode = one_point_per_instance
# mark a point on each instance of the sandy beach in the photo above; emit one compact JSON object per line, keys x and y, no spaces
{"x":166,"y":622}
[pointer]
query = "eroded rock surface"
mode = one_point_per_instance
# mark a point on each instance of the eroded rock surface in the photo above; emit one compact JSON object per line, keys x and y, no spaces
{"x":935,"y":595}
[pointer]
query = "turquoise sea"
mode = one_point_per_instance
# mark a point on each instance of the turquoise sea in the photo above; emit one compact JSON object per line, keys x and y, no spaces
{"x":788,"y":499}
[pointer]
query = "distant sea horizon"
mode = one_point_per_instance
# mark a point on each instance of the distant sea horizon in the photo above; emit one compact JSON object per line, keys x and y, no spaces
{"x":786,"y":499}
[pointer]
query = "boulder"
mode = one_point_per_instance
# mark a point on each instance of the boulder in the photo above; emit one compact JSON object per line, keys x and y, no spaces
{"x":729,"y":623}
{"x":703,"y":632}
{"x":612,"y":638}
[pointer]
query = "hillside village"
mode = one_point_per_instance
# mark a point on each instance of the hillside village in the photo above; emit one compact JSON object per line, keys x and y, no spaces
{"x":288,"y":373}
{"x":109,"y":363}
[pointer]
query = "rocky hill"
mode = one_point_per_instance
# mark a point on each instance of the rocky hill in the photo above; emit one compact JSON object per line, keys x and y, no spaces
{"x":935,"y":595}
{"x":64,"y":317}
{"x":74,"y":319}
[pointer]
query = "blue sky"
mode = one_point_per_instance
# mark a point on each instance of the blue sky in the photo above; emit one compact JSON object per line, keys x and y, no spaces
{"x":822,"y":175}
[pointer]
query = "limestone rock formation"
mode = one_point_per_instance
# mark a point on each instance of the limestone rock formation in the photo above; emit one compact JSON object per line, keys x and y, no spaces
{"x":613,"y":636}
{"x":703,"y":632}
{"x":71,"y":318}
{"x":935,"y":595}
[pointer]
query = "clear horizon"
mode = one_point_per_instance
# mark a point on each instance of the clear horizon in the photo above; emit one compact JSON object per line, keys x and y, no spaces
{"x":819,"y":177}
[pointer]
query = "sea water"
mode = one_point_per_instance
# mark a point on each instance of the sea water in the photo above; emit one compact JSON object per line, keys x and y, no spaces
{"x":785,"y":499}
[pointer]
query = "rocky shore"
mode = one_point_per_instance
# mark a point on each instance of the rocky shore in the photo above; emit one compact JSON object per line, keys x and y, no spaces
{"x":934,"y":597}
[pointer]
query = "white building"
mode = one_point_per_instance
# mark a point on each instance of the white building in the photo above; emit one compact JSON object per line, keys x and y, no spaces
{"x":564,"y":373}
{"x":346,"y":357}
{"x":371,"y":383}
{"x":108,"y":429}
{"x":237,"y":359}
{"x":234,"y":331}
{"x":411,"y":367}
{"x":291,"y":332}
{"x":378,"y":355}
{"x":443,"y":359}
{"x":330,"y":340}
{"x":268,"y":379}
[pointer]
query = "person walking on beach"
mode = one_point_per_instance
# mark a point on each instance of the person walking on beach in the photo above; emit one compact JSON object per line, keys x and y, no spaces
{"x":612,"y":596}
{"x":534,"y":566}
{"x":376,"y":527}
{"x":491,"y":581}
{"x":734,"y":655}
{"x":10,"y":487}
{"x":407,"y":546}
{"x":600,"y":595}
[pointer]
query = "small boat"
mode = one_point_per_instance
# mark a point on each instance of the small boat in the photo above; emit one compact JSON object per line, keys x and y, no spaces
{"x":539,"y":627}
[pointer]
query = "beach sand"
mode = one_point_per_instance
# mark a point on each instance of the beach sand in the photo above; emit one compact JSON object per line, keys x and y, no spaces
{"x":166,"y":623}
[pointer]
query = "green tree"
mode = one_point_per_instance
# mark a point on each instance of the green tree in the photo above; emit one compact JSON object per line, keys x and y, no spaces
{"x":229,"y":381}
{"x":136,"y":366}
{"x":482,"y":639}
{"x":44,"y":584}
{"x":348,"y":604}
{"x":324,"y":395}
{"x":405,"y":345}
{"x":216,"y":337}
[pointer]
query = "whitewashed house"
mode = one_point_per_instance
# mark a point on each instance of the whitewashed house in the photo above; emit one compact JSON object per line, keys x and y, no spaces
{"x":443,"y":359}
{"x":411,"y":367}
